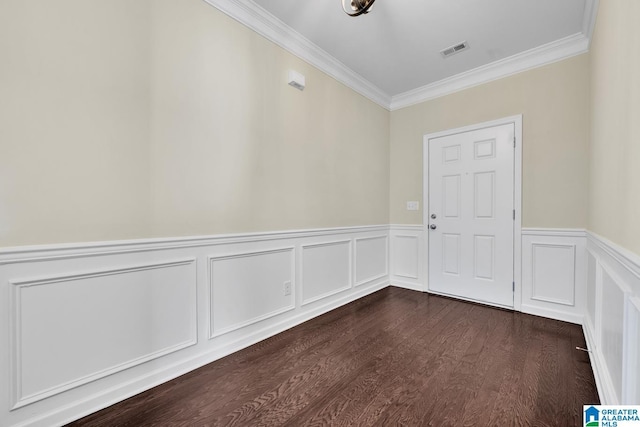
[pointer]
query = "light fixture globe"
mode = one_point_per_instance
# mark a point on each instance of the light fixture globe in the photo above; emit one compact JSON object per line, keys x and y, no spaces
{"x":356,"y":7}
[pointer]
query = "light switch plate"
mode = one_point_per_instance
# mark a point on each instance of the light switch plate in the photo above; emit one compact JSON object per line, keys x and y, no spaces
{"x":413,"y":206}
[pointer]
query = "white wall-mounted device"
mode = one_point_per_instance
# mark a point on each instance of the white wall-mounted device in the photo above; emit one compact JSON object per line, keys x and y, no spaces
{"x":296,"y":79}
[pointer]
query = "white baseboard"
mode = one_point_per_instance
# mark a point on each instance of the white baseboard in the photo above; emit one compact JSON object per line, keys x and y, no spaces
{"x":553,"y":314}
{"x":407,"y":285}
{"x":604,"y":385}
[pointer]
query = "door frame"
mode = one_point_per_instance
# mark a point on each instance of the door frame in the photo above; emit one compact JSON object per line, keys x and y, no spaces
{"x":517,"y":199}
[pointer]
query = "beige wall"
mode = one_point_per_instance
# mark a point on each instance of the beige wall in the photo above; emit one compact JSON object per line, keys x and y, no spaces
{"x":614,"y":209}
{"x":127,"y":119}
{"x":237,"y":149}
{"x":554,"y":101}
{"x":74,"y":120}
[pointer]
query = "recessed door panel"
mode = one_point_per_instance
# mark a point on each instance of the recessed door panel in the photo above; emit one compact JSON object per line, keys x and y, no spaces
{"x":451,"y":196}
{"x":451,"y":254}
{"x":483,"y":257}
{"x":484,"y":194}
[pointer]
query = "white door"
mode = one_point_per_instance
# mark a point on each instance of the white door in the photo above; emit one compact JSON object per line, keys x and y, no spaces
{"x":471,"y":215}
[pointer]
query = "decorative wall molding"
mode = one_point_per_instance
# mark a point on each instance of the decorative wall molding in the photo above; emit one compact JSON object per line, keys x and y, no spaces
{"x":612,"y":326}
{"x":329,"y":269}
{"x":543,"y":276}
{"x":554,"y":268}
{"x":537,"y":57}
{"x":406,"y":263}
{"x":264,"y":23}
{"x":17,"y":286}
{"x":226,"y":267}
{"x":241,"y":279}
{"x":360,"y":250}
{"x":57,"y":252}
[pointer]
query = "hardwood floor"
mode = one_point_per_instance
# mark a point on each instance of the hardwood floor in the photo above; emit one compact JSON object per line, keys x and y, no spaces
{"x":396,"y":357}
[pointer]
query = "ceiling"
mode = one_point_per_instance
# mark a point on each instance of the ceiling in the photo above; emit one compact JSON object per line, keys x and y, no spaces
{"x":392,"y":54}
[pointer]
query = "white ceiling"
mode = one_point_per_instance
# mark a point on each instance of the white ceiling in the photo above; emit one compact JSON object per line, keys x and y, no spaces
{"x":392,"y":54}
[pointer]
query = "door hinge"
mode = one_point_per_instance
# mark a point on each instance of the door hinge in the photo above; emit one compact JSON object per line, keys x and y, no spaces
{"x":514,"y":214}
{"x":514,"y":142}
{"x":513,"y":287}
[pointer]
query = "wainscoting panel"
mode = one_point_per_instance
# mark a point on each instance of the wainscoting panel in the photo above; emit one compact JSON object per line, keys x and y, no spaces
{"x":326,"y":270}
{"x":72,"y":329}
{"x":613,"y":323}
{"x":371,"y":259}
{"x":250,"y":287}
{"x":554,"y":273}
{"x":88,"y":325}
{"x":406,"y":256}
{"x":631,"y":352}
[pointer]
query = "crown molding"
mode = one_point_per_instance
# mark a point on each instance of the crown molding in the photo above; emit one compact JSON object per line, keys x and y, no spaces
{"x":542,"y":55}
{"x":589,"y":20}
{"x":253,"y":16}
{"x":264,"y":23}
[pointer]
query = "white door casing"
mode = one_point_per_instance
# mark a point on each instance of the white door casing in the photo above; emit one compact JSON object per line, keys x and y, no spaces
{"x":472,"y":181}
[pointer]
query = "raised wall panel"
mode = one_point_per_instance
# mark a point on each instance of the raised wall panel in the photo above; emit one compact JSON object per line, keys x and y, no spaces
{"x":72,"y":329}
{"x":246,"y":288}
{"x":612,"y":329}
{"x":591,"y":288}
{"x":631,"y":377}
{"x":451,"y":196}
{"x":484,"y":253}
{"x":553,"y":268}
{"x":326,"y":270}
{"x":451,"y":254}
{"x":484,"y":194}
{"x":554,"y":274}
{"x":86,"y":325}
{"x":370,"y":259}
{"x":405,"y":256}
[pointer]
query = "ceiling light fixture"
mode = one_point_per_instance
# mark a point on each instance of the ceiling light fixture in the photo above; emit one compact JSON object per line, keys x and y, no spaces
{"x":356,"y":7}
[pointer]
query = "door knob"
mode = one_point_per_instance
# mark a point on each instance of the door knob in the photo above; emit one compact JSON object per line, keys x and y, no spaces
{"x":432,"y":226}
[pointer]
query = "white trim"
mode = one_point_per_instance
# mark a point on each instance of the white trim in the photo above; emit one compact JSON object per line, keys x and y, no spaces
{"x":406,"y":285}
{"x":630,"y":351}
{"x":18,"y":400}
{"x":550,"y":313}
{"x":589,"y":19}
{"x":555,"y":232}
{"x":549,"y":53}
{"x":350,"y":285}
{"x":603,"y":381}
{"x":354,"y":257}
{"x":629,"y":260}
{"x":21,"y":254}
{"x":213,"y":333}
{"x":517,"y":200}
{"x":264,"y":23}
{"x":574,"y":254}
{"x":475,"y":301}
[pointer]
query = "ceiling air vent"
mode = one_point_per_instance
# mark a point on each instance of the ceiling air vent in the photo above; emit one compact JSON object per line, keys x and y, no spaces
{"x":459,"y":47}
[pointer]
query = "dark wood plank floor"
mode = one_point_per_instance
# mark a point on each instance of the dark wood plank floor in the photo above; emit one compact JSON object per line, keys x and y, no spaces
{"x":396,"y":357}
